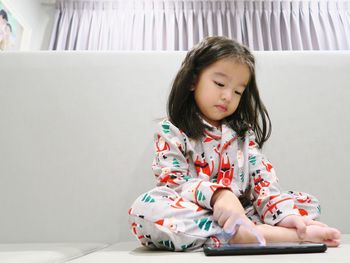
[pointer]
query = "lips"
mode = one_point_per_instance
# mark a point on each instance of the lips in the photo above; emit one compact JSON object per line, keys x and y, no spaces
{"x":221,"y":108}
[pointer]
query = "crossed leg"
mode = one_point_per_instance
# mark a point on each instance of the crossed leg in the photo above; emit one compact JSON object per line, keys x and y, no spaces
{"x":309,"y":208}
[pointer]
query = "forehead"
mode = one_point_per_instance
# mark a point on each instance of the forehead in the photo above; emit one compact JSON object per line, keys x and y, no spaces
{"x":229,"y":68}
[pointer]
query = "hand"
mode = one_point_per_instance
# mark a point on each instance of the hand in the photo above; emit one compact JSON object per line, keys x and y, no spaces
{"x":228,"y":212}
{"x":227,"y":209}
{"x":300,"y":223}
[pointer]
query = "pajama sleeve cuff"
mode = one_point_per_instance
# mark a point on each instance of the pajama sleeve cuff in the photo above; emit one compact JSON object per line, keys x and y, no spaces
{"x":277,"y":211}
{"x":201,"y":192}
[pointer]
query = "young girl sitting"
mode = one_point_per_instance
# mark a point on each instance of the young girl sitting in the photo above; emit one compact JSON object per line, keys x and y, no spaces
{"x":213,"y":183}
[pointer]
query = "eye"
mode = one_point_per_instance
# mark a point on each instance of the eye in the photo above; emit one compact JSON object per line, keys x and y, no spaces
{"x":219,"y":84}
{"x":238,"y":93}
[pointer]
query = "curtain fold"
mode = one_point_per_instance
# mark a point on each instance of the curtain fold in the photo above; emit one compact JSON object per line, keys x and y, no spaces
{"x":180,"y":24}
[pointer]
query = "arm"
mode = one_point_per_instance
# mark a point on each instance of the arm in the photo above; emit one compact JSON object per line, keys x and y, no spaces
{"x":271,"y":204}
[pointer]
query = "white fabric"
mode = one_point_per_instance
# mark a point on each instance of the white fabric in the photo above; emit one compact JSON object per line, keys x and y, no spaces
{"x":46,"y":252}
{"x":179,"y":24}
{"x":132,"y":251}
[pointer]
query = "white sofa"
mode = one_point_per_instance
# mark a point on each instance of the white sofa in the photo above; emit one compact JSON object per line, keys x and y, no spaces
{"x":76,"y":131}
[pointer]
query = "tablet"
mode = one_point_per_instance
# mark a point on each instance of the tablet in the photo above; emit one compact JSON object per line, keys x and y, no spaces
{"x":256,"y":249}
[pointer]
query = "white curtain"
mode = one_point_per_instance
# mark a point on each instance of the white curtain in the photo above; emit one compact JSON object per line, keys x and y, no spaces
{"x":179,"y":24}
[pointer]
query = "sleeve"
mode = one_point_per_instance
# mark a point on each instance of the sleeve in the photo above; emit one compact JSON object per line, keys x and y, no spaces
{"x":171,"y":166}
{"x":270,"y":202}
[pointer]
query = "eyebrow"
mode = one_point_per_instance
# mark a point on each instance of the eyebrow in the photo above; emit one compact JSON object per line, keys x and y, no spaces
{"x":224,"y":75}
{"x":221,"y":74}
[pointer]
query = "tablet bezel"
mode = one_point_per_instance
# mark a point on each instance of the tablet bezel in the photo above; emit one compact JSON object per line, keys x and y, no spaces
{"x":270,"y":248}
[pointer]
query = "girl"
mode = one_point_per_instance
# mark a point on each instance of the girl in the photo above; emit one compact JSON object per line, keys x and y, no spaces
{"x":211,"y":176}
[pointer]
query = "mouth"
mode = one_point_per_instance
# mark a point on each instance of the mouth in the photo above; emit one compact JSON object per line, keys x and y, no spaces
{"x":221,"y":108}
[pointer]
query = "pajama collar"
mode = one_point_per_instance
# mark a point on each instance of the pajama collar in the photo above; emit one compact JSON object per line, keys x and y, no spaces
{"x":226,"y":134}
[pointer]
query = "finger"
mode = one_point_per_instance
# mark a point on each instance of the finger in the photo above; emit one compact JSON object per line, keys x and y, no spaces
{"x":229,"y":226}
{"x":310,"y":222}
{"x":222,"y":219}
{"x":216,"y":214}
{"x":301,"y":228}
{"x":249,"y":222}
{"x":253,"y":230}
{"x":219,"y":213}
{"x":235,"y":220}
{"x":335,"y":233}
{"x":260,"y":237}
{"x":332,"y":242}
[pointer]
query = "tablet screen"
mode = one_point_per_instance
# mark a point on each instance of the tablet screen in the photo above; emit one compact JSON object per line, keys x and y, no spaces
{"x":256,"y":249}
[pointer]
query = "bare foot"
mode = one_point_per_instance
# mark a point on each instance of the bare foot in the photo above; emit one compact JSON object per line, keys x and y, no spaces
{"x":314,"y":233}
{"x":322,"y":234}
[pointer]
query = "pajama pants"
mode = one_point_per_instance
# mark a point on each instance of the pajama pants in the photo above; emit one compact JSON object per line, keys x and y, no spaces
{"x":162,"y":219}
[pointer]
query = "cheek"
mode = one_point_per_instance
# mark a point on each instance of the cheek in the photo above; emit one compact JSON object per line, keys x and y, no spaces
{"x":204,"y":96}
{"x":235,"y":102}
{"x":234,"y":105}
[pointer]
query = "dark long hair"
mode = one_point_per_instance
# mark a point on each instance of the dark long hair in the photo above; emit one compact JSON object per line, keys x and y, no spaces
{"x":182,"y":109}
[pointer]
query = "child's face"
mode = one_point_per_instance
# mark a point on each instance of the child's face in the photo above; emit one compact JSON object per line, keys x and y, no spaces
{"x":219,"y":88}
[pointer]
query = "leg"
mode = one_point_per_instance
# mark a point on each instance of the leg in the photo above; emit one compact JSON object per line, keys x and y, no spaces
{"x":163,"y":219}
{"x":309,"y":207}
{"x":252,"y":214}
{"x":314,"y":233}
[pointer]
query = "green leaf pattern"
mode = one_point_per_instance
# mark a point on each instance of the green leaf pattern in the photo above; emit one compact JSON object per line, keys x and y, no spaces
{"x":148,"y":199}
{"x":200,"y":196}
{"x":176,"y":162}
{"x":241,"y":176}
{"x":203,"y":223}
{"x":252,"y":160}
{"x":168,"y":244}
{"x":166,"y":127}
{"x":185,"y":247}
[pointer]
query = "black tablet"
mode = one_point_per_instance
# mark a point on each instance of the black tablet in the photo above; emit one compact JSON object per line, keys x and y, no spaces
{"x":256,"y":249}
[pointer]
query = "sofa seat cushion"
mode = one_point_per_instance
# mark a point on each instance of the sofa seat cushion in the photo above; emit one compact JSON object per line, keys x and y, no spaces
{"x":132,"y":252}
{"x":46,"y":252}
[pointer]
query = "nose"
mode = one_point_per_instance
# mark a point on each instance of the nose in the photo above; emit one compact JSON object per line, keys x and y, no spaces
{"x":226,"y":95}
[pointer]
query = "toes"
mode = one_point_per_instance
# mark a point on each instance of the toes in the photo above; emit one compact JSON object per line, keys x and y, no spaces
{"x":334,"y":233}
{"x":317,"y":223}
{"x":332,"y":242}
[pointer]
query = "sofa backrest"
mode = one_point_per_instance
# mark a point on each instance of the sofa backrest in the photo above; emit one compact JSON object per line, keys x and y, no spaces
{"x":76,"y":136}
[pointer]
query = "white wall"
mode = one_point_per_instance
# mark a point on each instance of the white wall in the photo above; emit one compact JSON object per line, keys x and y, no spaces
{"x":38,"y":18}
